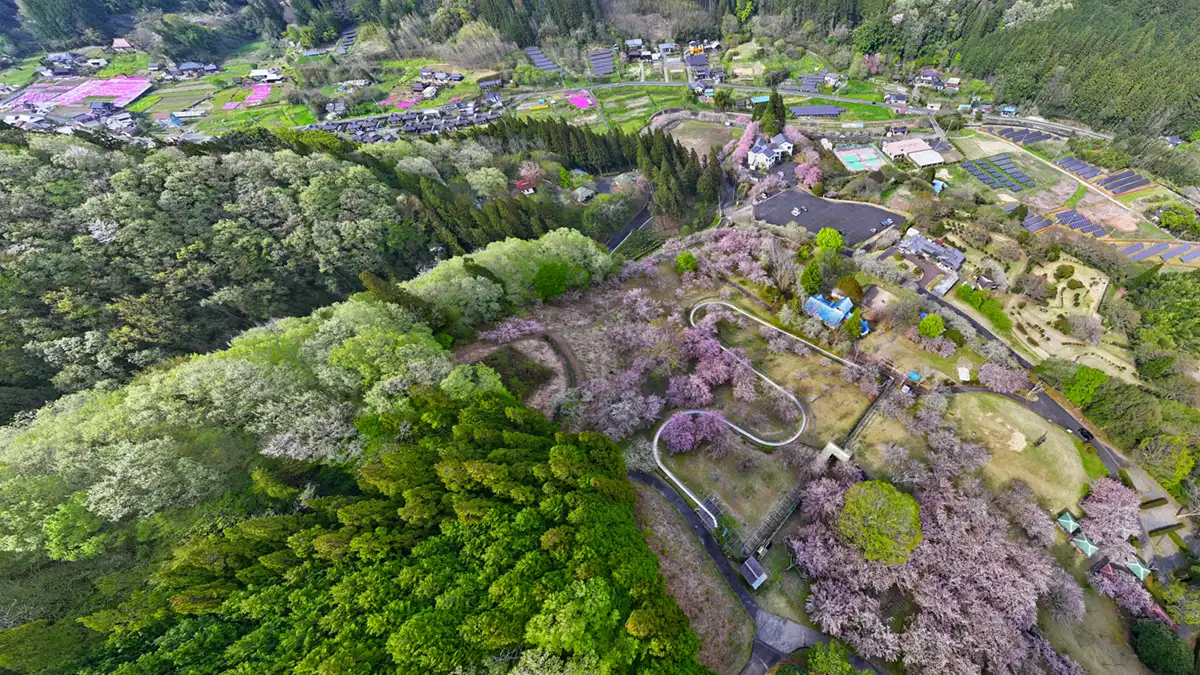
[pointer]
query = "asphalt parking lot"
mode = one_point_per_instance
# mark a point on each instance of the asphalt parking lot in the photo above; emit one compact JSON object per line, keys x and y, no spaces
{"x":855,"y":221}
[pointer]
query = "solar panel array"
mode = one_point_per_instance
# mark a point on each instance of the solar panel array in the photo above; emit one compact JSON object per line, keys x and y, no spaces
{"x":1126,"y":181}
{"x":1165,"y":252}
{"x":602,"y":62}
{"x":1033,"y":222}
{"x":1022,"y":136}
{"x":541,"y":61}
{"x":811,"y":83}
{"x":1147,"y":252}
{"x":1077,"y":221}
{"x":999,"y":172}
{"x":1078,"y":167}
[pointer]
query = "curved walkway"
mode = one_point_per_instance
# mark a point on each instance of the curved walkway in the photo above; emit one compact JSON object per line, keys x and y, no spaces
{"x":710,"y":516}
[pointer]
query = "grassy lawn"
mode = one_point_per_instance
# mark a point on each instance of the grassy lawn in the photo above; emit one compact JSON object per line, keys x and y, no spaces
{"x":265,"y":115}
{"x":894,"y":346}
{"x":857,"y":112}
{"x":785,"y":590}
{"x":702,"y":136}
{"x":749,"y":493}
{"x":1054,"y":469}
{"x":22,"y":72}
{"x":125,"y":64}
{"x":860,"y":89}
{"x":1101,"y":644}
{"x":832,"y":404}
{"x":725,"y":630}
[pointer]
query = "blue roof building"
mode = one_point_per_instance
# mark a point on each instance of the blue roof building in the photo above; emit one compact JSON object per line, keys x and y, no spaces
{"x":760,"y":99}
{"x":830,"y":313}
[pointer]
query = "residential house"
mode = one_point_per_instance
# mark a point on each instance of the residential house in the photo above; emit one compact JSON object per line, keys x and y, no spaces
{"x":121,"y":45}
{"x":946,"y":257}
{"x":1008,"y":111}
{"x":668,"y":47}
{"x":953,"y":84}
{"x":265,"y":75}
{"x":635,"y":44}
{"x":418,"y":87}
{"x":930,"y":79}
{"x":335,"y":109}
{"x":832,"y":80}
{"x":765,"y":154}
{"x":583,"y":194}
{"x":1174,"y":141}
{"x":188,"y":68}
{"x":895,"y":98}
{"x":487,"y":85}
{"x":696,"y":60}
{"x":97,"y":63}
{"x":429,"y":92}
{"x":64,"y":58}
{"x":831,"y":313}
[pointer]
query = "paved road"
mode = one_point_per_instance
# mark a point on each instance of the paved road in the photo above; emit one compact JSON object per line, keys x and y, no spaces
{"x":639,"y":221}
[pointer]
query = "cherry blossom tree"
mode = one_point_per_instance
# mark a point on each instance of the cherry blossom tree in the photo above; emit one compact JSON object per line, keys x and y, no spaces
{"x":1125,"y":590}
{"x":1064,"y":599}
{"x":1018,"y":503}
{"x":742,"y":150}
{"x":510,"y":330}
{"x":1111,"y":518}
{"x":1004,"y":380}
{"x":822,"y":499}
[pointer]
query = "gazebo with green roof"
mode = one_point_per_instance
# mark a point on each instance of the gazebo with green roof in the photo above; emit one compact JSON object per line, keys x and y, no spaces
{"x":1085,"y":545}
{"x":1068,"y":522}
{"x":1138,"y":568}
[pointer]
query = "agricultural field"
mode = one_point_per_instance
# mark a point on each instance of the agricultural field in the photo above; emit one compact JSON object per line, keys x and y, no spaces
{"x":177,"y":98}
{"x":1010,"y":432}
{"x":725,"y":630}
{"x":862,"y":90}
{"x":702,"y":136}
{"x":22,"y":72}
{"x":125,"y":64}
{"x":630,"y":108}
{"x":856,"y":112}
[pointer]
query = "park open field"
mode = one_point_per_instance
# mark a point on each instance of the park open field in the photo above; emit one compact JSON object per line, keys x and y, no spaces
{"x":703,"y":136}
{"x":1006,"y":428}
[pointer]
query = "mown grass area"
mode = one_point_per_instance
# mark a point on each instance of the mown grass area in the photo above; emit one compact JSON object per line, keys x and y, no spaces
{"x":1010,"y":431}
{"x":1101,"y":643}
{"x":725,"y":630}
{"x":857,"y":112}
{"x":22,"y":72}
{"x":125,"y":64}
{"x":784,"y":591}
{"x":1080,"y":193}
{"x":749,"y":492}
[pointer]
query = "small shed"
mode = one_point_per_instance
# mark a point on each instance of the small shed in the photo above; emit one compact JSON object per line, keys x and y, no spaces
{"x":583,"y":194}
{"x":525,"y":186}
{"x":1085,"y":545}
{"x":1138,"y":568}
{"x":753,"y":572}
{"x":1068,"y":522}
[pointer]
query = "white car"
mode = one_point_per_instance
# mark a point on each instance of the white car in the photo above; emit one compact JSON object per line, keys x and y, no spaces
{"x":796,"y":212}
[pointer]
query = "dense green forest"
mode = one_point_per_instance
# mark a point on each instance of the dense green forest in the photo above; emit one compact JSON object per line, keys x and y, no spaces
{"x":114,"y":259}
{"x":332,"y":492}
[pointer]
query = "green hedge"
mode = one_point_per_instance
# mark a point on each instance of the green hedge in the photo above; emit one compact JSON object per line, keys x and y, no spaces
{"x":987,"y":305}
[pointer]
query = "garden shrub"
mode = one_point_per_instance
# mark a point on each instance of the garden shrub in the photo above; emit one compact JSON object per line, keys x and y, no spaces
{"x":1161,"y":649}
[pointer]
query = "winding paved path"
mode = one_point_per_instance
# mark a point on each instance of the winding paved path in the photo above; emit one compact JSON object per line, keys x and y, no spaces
{"x":710,"y":516}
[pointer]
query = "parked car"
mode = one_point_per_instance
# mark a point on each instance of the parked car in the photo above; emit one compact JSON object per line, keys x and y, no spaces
{"x":1085,"y":434}
{"x":887,"y":222}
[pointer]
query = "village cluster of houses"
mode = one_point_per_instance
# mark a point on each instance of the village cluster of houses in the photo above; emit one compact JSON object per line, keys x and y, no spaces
{"x":637,"y":50}
{"x":447,"y":118}
{"x":430,"y":80}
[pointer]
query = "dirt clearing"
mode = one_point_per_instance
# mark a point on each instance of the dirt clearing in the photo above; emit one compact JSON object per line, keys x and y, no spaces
{"x":1100,"y":210}
{"x":1053,"y":197}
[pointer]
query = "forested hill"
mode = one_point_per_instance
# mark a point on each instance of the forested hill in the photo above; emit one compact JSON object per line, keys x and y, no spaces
{"x":1111,"y":63}
{"x":113,"y":259}
{"x":332,"y":494}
